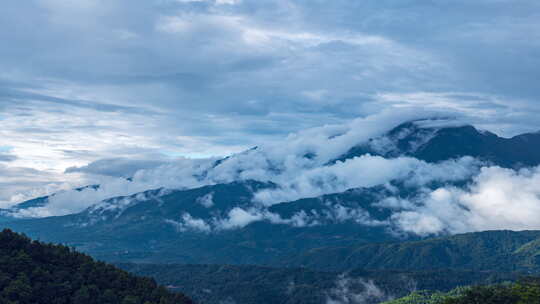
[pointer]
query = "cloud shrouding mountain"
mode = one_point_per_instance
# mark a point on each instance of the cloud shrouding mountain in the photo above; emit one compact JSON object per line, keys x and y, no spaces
{"x":490,"y":197}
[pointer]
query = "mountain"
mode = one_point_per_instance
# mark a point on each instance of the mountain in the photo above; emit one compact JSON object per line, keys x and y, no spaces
{"x":226,"y":223}
{"x":432,"y":143}
{"x":148,"y":226}
{"x":34,"y":272}
{"x":210,"y":284}
{"x":330,"y":202}
{"x":143,"y":232}
{"x":479,"y":251}
{"x":17,"y":212}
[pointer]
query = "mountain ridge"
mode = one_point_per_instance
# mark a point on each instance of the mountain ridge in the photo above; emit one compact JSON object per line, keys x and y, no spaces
{"x":226,"y":222}
{"x":452,"y":142}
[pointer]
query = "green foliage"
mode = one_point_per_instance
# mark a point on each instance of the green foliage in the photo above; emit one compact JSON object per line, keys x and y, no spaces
{"x":34,"y":272}
{"x":529,"y":290}
{"x":497,"y":294}
{"x":421,"y":297}
{"x":501,"y":250}
{"x":525,"y":291}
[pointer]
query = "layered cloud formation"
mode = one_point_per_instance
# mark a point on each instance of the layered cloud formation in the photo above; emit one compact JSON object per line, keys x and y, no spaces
{"x":298,"y":165}
{"x":488,"y":197}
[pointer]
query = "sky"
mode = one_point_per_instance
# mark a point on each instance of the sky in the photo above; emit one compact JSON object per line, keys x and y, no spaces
{"x":86,"y":81}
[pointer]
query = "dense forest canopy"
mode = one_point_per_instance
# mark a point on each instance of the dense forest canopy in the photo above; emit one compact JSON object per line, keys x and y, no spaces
{"x":524,"y":291}
{"x":35,"y":272}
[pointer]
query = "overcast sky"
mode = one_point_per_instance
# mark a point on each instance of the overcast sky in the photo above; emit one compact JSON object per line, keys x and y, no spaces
{"x":84,"y":80}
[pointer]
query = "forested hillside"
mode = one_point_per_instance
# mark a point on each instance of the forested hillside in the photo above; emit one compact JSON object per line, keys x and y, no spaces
{"x":482,"y":251}
{"x":35,"y":272}
{"x":211,"y":284}
{"x":525,"y":291}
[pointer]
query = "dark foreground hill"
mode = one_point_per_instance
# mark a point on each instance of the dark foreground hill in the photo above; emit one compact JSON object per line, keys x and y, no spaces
{"x":34,"y":272}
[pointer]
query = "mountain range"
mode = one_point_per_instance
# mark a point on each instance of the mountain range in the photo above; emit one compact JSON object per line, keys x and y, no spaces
{"x":409,"y":199}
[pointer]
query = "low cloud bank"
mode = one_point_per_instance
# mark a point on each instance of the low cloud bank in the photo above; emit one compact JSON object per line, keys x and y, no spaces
{"x":498,"y":198}
{"x":356,"y":291}
{"x":365,"y":171}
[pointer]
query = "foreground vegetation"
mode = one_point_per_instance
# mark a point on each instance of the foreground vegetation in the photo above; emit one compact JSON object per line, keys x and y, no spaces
{"x":525,"y":291}
{"x":34,"y":272}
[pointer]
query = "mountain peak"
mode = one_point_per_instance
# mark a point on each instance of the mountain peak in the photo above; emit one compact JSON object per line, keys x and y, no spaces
{"x":435,"y":140}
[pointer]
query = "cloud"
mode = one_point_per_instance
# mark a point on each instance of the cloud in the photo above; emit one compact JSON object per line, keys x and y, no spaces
{"x":496,"y":199}
{"x":188,"y":223}
{"x":299,"y":166}
{"x":355,"y":291}
{"x":207,"y":200}
{"x":230,"y":2}
{"x":18,"y":184}
{"x":73,"y":201}
{"x":5,"y":157}
{"x":118,"y":167}
{"x":365,"y":171}
{"x":239,"y":218}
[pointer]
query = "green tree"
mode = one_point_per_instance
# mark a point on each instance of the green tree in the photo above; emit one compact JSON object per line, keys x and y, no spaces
{"x":19,"y":290}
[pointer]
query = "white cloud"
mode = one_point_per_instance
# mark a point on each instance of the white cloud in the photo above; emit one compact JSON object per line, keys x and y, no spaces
{"x":339,"y":213}
{"x":239,"y":218}
{"x":497,"y":199}
{"x":355,"y":291}
{"x":74,"y":201}
{"x":207,"y":200}
{"x":229,"y":2}
{"x":189,"y":223}
{"x":365,"y":171}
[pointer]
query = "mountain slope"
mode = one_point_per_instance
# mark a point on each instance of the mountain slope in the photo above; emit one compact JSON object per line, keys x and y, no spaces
{"x":34,"y":272}
{"x":337,"y":246}
{"x":210,"y":284}
{"x":276,"y":215}
{"x":198,"y":226}
{"x":480,"y":251}
{"x":18,"y":211}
